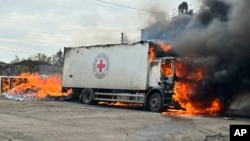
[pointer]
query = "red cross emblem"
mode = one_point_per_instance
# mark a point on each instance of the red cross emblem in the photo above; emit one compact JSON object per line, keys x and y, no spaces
{"x":100,"y":66}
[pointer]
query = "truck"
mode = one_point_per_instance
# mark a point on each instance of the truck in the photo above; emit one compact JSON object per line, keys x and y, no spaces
{"x":118,"y":73}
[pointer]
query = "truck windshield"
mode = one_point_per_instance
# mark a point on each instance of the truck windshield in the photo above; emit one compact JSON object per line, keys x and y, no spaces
{"x":166,"y":68}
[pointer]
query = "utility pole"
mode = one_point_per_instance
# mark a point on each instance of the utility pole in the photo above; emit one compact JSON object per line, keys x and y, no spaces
{"x":122,"y":38}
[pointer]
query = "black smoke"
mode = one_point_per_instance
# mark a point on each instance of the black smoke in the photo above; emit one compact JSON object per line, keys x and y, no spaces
{"x":212,"y":9}
{"x":221,"y":43}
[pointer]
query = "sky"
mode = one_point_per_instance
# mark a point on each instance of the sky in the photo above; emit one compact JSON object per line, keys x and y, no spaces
{"x":28,"y":27}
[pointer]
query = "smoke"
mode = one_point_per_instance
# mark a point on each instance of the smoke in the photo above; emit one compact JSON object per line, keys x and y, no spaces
{"x":240,"y":105}
{"x":166,"y":30}
{"x":158,"y":12}
{"x":219,"y":41}
{"x":213,"y":9}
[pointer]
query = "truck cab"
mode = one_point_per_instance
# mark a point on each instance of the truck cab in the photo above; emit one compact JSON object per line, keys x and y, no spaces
{"x":161,"y":83}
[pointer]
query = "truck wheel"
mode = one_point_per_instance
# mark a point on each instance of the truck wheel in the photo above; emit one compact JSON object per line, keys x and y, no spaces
{"x":87,"y":96}
{"x":155,"y":102}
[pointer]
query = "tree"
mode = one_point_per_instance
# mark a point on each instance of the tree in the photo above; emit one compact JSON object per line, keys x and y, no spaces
{"x":41,"y":58}
{"x":17,"y":59}
{"x":31,"y":63}
{"x":58,"y":58}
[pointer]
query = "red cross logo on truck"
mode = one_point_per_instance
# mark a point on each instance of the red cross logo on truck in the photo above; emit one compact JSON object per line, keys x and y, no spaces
{"x":100,"y":66}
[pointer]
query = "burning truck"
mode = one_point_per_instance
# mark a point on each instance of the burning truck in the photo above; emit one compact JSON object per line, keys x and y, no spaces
{"x":128,"y":73}
{"x":139,"y":74}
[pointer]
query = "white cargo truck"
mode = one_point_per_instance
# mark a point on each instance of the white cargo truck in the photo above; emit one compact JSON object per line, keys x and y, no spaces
{"x":118,"y":73}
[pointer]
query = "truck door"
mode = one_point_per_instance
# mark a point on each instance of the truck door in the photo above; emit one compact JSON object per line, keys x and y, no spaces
{"x":154,"y":74}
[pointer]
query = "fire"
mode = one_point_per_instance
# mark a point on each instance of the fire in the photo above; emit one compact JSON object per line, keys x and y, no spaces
{"x":120,"y":104}
{"x":162,"y":45}
{"x":5,"y":84}
{"x":186,"y":91}
{"x":166,"y":69}
{"x":165,"y":47}
{"x":8,"y":82}
{"x":187,"y":87}
{"x":38,"y":86}
{"x":151,"y":54}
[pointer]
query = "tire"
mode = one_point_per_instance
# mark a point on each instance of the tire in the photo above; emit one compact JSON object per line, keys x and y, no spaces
{"x":87,"y":96}
{"x":155,"y":103}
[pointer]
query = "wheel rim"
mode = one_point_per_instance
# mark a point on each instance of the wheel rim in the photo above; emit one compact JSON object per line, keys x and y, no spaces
{"x":154,"y":102}
{"x":87,"y":96}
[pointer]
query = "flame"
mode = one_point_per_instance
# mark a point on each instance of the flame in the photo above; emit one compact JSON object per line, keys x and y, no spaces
{"x":186,"y":90}
{"x":32,"y":84}
{"x":8,"y":82}
{"x":158,"y":45}
{"x":120,"y":104}
{"x":5,"y":84}
{"x":165,"y":47}
{"x":166,"y":69}
{"x":151,"y":54}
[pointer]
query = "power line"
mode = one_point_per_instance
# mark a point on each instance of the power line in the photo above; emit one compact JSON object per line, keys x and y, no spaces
{"x":131,"y":8}
{"x":110,"y":6}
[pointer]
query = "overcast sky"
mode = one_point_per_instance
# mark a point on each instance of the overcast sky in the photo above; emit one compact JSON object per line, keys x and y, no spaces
{"x":28,"y":27}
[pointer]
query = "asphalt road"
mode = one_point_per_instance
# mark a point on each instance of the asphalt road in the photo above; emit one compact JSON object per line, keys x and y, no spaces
{"x":68,"y":121}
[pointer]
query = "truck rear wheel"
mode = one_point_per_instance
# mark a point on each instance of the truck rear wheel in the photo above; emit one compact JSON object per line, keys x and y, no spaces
{"x":155,"y":103}
{"x":87,"y":96}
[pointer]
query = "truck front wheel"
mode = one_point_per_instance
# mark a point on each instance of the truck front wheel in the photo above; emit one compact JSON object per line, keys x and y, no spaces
{"x":155,"y":102}
{"x":87,"y":96}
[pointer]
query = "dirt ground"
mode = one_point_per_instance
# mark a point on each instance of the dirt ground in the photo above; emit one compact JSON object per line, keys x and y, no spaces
{"x":72,"y":121}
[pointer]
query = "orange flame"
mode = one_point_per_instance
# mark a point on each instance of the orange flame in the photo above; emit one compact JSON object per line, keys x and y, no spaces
{"x":8,"y":82}
{"x":166,"y":69}
{"x":165,"y":47}
{"x":120,"y":104}
{"x":41,"y":86}
{"x":185,"y":88}
{"x":151,"y":54}
{"x":5,"y":84}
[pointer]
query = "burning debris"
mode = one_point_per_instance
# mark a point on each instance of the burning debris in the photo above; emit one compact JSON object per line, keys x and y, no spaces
{"x":29,"y":86}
